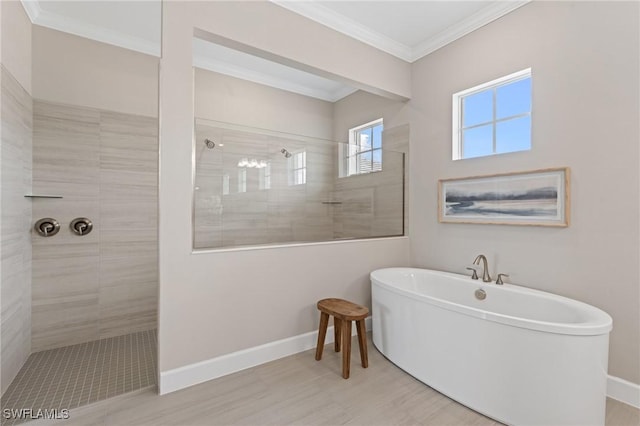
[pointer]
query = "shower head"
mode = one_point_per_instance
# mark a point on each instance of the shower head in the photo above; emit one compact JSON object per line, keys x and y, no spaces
{"x":286,"y":153}
{"x":209,"y":143}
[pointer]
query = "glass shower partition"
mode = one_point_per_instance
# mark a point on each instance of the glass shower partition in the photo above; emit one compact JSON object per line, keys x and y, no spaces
{"x":256,"y":187}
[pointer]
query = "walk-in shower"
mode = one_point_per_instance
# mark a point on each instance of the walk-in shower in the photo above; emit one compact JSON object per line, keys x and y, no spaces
{"x":79,"y":189}
{"x":254,"y":191}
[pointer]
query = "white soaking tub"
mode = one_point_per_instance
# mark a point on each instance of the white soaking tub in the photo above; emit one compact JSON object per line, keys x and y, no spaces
{"x":520,"y":356}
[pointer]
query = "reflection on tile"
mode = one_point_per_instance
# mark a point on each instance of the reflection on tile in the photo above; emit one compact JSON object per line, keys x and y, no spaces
{"x":228,"y":216}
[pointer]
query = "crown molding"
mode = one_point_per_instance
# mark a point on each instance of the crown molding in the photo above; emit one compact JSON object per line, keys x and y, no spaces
{"x":54,"y":21}
{"x":308,"y":9}
{"x":327,"y":17}
{"x":478,"y":20}
{"x":267,"y":80}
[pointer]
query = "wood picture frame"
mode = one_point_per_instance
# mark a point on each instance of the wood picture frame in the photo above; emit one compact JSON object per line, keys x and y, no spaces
{"x":532,"y":198}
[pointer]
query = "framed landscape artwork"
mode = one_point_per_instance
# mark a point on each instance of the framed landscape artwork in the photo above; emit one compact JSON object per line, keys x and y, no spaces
{"x":536,"y":198}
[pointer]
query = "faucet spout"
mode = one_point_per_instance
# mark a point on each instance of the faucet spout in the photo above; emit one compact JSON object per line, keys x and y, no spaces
{"x":485,"y":267}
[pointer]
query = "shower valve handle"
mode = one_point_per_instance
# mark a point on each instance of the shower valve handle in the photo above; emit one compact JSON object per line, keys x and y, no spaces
{"x":47,"y":227}
{"x":81,"y":226}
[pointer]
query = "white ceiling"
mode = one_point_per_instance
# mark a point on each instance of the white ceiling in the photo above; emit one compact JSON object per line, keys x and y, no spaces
{"x":405,"y":29}
{"x":407,"y":22}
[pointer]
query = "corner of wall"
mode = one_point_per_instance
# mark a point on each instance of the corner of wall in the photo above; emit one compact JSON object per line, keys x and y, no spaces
{"x":16,"y":135}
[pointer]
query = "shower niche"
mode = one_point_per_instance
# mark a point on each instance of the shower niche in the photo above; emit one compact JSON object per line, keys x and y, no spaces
{"x":270,"y":145}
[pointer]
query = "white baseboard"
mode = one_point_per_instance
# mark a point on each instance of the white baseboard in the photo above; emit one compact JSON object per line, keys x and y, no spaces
{"x":623,"y":391}
{"x":189,"y":375}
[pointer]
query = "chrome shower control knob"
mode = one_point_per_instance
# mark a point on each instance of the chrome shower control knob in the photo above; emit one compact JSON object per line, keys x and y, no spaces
{"x":480,"y":294}
{"x":81,"y":226}
{"x":47,"y":227}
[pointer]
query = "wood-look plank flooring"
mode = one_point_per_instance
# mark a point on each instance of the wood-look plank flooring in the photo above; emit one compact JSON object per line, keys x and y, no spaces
{"x":300,"y":390}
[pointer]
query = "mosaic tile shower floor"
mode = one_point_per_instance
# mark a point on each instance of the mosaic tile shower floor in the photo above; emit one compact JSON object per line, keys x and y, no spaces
{"x":72,"y":376}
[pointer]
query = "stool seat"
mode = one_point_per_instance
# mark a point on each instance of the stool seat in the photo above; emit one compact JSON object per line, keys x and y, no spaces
{"x":343,"y":309}
{"x":343,"y":312}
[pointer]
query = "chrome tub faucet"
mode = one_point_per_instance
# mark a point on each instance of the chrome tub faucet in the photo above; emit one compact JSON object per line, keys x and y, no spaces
{"x":485,"y":267}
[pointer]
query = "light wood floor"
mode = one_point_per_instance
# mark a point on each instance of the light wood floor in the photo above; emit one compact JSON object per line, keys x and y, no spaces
{"x":300,"y":390}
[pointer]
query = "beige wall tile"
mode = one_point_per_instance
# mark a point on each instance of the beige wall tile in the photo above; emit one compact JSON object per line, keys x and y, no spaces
{"x":65,"y":321}
{"x":15,"y":181}
{"x":105,"y":166}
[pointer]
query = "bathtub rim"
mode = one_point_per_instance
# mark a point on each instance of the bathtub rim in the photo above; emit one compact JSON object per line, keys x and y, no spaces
{"x":599,"y":322}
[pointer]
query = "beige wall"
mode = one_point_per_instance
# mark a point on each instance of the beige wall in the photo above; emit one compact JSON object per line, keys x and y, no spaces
{"x":276,"y":289}
{"x":361,"y":107}
{"x":584,"y":57}
{"x":77,"y":71}
{"x":16,"y":42}
{"x":15,"y":181}
{"x":303,"y":43}
{"x":231,"y":100}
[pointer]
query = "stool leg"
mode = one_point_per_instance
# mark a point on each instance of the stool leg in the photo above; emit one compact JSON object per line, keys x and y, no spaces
{"x":346,"y":348}
{"x":337,"y":327}
{"x":322,"y":331}
{"x":362,"y":342}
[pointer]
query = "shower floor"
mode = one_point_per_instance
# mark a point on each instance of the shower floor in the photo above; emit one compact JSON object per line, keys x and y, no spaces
{"x":72,"y":376}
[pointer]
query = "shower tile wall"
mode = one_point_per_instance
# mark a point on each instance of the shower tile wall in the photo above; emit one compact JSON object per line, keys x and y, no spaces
{"x":15,"y":182}
{"x":103,"y":284}
{"x":283,"y":213}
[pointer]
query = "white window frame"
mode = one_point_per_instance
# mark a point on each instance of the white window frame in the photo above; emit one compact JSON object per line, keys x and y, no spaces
{"x":302,"y":157}
{"x":457,"y":119}
{"x":242,"y":180}
{"x":348,"y":161}
{"x":265,"y":176}
{"x":225,"y":184}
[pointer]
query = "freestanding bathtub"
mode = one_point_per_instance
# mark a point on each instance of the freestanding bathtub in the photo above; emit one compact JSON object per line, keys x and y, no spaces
{"x":519,"y":356}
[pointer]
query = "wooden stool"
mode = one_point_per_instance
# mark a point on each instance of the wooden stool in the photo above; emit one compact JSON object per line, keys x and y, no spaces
{"x":343,"y":313}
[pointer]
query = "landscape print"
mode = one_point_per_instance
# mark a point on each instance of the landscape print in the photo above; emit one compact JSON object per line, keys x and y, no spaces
{"x":528,"y":198}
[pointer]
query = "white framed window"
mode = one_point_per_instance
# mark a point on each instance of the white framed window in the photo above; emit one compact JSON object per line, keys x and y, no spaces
{"x":493,"y":118}
{"x":225,"y":184}
{"x":298,"y":168}
{"x":242,"y":180}
{"x":363,"y":154}
{"x":265,"y":176}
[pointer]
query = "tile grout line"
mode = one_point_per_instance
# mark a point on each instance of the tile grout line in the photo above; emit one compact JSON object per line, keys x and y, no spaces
{"x":76,"y":375}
